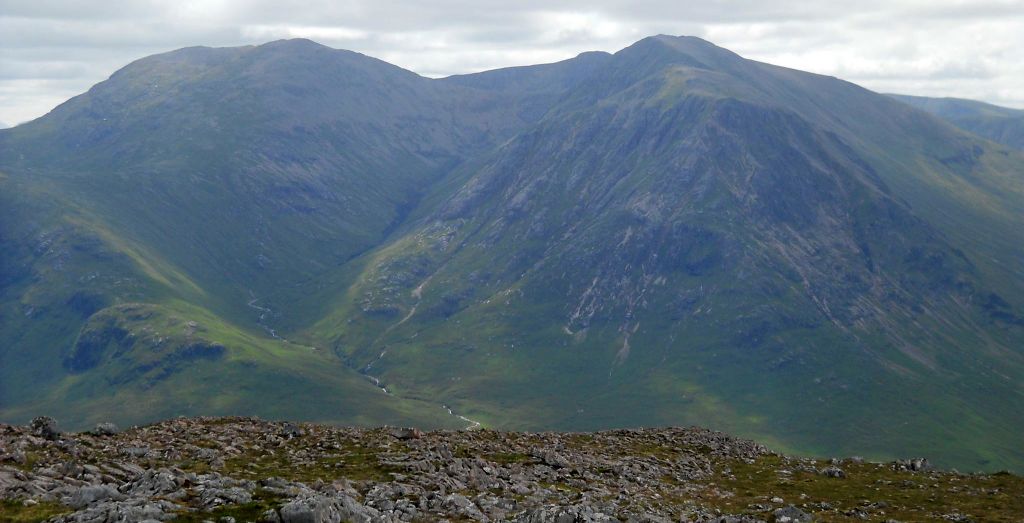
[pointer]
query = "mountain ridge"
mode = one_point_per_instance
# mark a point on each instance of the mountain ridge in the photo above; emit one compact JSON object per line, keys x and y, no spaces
{"x":667,"y":234}
{"x":1000,"y":124}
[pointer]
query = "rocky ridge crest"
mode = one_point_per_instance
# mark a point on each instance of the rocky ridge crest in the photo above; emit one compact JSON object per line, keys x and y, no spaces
{"x":247,"y":469}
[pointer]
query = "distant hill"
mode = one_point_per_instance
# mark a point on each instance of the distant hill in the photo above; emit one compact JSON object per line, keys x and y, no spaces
{"x":999,"y":124}
{"x":667,"y":235}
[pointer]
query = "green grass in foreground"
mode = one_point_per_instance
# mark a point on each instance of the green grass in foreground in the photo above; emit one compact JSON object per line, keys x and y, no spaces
{"x":15,"y":512}
{"x":871,"y":489}
{"x":261,"y":503}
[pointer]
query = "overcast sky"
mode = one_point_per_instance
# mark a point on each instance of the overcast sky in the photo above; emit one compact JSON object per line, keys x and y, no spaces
{"x":52,"y":50}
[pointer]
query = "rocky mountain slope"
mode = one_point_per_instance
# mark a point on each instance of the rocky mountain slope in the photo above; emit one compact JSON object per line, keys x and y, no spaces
{"x":670,"y":234}
{"x":245,"y":469}
{"x":690,"y":236}
{"x":999,"y":124}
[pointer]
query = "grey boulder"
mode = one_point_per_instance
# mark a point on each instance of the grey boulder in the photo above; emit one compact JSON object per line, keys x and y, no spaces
{"x":322,"y":509}
{"x":92,"y":494}
{"x":105,"y":429}
{"x":791,"y":514}
{"x":44,"y":427}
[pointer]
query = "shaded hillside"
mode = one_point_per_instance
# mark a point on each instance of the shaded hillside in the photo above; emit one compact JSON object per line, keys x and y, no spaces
{"x":999,"y":124}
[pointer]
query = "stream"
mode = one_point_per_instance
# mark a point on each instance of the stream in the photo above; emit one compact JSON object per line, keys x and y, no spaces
{"x":365,"y":371}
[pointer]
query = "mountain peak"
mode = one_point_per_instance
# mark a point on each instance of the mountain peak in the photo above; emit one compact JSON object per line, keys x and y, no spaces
{"x":677,"y":39}
{"x":306,"y":57}
{"x":593,"y":55}
{"x":669,"y":47}
{"x":295,"y":44}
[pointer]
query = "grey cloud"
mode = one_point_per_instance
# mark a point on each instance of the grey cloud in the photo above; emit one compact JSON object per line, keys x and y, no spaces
{"x":32,"y":69}
{"x":960,"y":11}
{"x":78,"y":10}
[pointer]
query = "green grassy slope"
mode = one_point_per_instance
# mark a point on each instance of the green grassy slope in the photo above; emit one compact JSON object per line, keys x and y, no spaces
{"x":95,"y":328}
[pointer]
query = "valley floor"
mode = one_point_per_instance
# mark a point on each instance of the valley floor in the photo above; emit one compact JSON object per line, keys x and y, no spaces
{"x":247,"y":469}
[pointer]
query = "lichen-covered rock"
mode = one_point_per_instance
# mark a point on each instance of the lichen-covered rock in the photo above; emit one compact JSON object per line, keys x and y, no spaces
{"x":323,"y":509}
{"x":406,"y":433}
{"x":92,"y":494}
{"x":218,"y":469}
{"x":123,"y":512}
{"x":45,"y":427}
{"x":291,"y":430}
{"x":105,"y":429}
{"x":833,"y":472}
{"x":790,"y":514}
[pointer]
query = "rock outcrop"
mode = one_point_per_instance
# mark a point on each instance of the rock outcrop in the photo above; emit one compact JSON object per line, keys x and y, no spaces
{"x":246,"y":469}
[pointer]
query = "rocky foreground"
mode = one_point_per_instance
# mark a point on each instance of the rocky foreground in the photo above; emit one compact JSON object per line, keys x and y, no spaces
{"x":246,"y":469}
